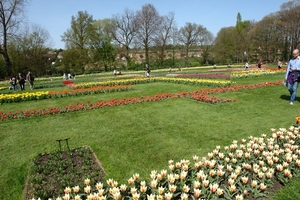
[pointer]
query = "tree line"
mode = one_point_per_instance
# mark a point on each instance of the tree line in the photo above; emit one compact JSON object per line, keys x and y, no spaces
{"x":131,"y":39}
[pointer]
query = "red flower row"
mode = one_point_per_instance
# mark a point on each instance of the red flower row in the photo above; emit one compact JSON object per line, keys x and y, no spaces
{"x":199,"y":95}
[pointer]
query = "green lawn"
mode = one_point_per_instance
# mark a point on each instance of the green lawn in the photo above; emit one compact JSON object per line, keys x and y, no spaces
{"x":143,"y":137}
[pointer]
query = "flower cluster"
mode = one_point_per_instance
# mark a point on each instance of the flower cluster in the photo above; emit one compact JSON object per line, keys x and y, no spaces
{"x":26,"y":96}
{"x":239,"y":171}
{"x":133,"y":81}
{"x":193,"y":81}
{"x":3,"y":88}
{"x":254,"y":73}
{"x":19,"y":97}
{"x":204,"y":75}
{"x":199,"y":95}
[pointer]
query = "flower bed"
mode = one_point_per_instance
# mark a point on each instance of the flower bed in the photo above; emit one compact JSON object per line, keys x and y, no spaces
{"x":204,"y":75}
{"x":203,"y":82}
{"x":199,"y":95}
{"x":50,"y":172}
{"x":19,"y":97}
{"x":255,"y":73}
{"x":242,"y":170}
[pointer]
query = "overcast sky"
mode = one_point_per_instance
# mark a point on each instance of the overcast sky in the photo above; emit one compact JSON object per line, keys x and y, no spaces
{"x":55,"y":15}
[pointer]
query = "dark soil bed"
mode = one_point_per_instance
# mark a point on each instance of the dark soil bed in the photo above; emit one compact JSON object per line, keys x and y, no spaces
{"x":50,"y":173}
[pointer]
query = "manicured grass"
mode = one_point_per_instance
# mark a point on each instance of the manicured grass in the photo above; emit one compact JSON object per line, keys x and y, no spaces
{"x":142,"y":137}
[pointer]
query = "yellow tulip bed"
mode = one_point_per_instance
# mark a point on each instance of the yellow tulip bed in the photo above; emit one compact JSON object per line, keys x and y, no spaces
{"x":27,"y":96}
{"x":255,"y":73}
{"x":133,"y":81}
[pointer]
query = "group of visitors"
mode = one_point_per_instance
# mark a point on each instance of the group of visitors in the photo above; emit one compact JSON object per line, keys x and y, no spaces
{"x":68,"y":76}
{"x":20,"y":79}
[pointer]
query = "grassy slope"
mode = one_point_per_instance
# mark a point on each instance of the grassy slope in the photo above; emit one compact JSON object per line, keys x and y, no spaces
{"x":139,"y":138}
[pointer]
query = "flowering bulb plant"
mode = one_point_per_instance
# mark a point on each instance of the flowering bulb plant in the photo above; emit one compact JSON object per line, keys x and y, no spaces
{"x":239,"y":171}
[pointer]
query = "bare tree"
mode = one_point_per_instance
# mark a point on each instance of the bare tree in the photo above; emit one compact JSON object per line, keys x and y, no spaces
{"x":205,"y":41}
{"x":164,"y":35}
{"x":149,"y":20}
{"x":189,"y":35}
{"x":290,"y":16}
{"x":125,"y":29}
{"x":11,"y":15}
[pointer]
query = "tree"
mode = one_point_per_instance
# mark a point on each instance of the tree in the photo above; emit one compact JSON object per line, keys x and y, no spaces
{"x":189,"y":35}
{"x":266,"y":38}
{"x":242,"y":40}
{"x":225,"y":45}
{"x":103,"y":51}
{"x":205,"y":42}
{"x":163,"y":35}
{"x":28,"y":50}
{"x":11,"y":16}
{"x":149,"y":20}
{"x":289,"y":15}
{"x":125,"y":29}
{"x":74,"y":61}
{"x":78,"y":36}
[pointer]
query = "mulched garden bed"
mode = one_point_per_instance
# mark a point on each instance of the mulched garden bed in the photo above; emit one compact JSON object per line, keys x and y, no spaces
{"x":50,"y":173}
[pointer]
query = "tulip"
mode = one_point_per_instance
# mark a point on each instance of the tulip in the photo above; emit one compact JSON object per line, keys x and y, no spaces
{"x":76,"y":189}
{"x":195,"y":158}
{"x":67,"y":190}
{"x":136,"y":176}
{"x":186,"y":188}
{"x":205,"y":183}
{"x":262,"y":186}
{"x":123,"y":187}
{"x":130,"y":181}
{"x":196,"y":184}
{"x":213,"y":187}
{"x":153,"y":183}
{"x":99,"y":185}
{"x":239,"y":197}
{"x":143,"y":189}
{"x":172,"y":188}
{"x":77,"y":197}
{"x":87,"y":181}
{"x":219,"y":191}
{"x":87,"y":189}
{"x":197,"y":193}
{"x":232,"y":188}
{"x":244,"y":180}
{"x":168,"y":196}
{"x":151,"y":197}
{"x":230,"y":181}
{"x":136,"y":196}
{"x":254,"y":183}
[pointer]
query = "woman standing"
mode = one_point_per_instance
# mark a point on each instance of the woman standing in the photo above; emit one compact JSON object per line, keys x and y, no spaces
{"x":21,"y":81}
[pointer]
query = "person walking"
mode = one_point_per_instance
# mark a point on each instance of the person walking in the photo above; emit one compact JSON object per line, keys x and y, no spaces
{"x":21,"y":81}
{"x":259,"y":64}
{"x":292,"y":75}
{"x":246,"y":66}
{"x":147,"y":71}
{"x":279,"y":64}
{"x":30,"y":79}
{"x":13,"y":82}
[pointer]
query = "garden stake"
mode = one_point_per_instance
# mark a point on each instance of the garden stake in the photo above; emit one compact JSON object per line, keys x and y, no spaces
{"x":59,"y":144}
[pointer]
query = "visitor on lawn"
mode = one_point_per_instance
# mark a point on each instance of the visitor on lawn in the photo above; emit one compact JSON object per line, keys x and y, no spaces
{"x":30,"y":79}
{"x":292,"y":75}
{"x":21,"y":81}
